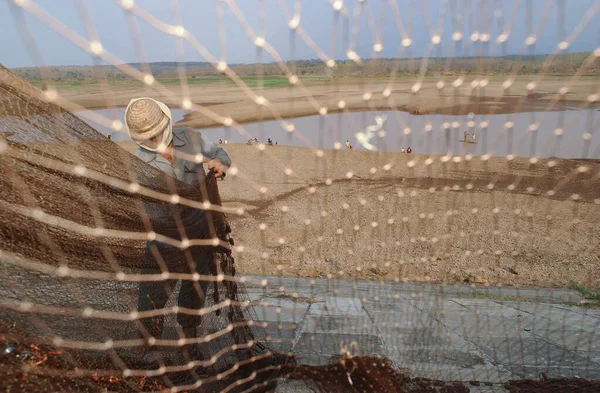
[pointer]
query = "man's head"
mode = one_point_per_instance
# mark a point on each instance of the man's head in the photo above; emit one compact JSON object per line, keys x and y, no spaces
{"x":149,"y":123}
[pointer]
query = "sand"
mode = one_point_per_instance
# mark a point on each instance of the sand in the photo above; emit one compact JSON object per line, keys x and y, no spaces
{"x":339,"y":95}
{"x":394,"y":216}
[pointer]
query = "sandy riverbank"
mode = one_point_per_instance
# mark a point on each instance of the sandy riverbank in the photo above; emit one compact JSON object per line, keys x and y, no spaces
{"x":340,"y":95}
{"x":486,"y":222}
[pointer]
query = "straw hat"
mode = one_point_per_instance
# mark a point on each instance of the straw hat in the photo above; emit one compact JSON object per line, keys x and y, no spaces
{"x":146,"y":118}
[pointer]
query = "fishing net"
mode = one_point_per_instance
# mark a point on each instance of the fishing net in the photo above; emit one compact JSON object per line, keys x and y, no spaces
{"x":422,"y":220}
{"x":90,"y":231}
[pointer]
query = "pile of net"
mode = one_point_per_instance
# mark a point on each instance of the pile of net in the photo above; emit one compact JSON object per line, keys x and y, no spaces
{"x":73,"y":232}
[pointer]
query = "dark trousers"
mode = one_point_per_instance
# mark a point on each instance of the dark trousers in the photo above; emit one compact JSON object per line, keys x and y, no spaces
{"x":155,"y":294}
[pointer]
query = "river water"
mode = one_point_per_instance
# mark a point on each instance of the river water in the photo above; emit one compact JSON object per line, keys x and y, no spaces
{"x":568,"y":134}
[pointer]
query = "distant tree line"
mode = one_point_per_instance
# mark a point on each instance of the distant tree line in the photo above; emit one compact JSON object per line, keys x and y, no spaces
{"x":564,"y":64}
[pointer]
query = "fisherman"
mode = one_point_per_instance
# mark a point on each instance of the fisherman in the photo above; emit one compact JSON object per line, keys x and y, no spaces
{"x":409,"y":150}
{"x":347,"y":144}
{"x":403,"y":150}
{"x":150,"y":125}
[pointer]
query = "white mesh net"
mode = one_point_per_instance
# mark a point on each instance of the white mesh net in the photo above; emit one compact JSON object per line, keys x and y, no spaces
{"x":413,"y":201}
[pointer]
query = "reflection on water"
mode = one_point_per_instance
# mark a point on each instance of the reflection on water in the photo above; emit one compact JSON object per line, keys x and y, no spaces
{"x":568,"y":134}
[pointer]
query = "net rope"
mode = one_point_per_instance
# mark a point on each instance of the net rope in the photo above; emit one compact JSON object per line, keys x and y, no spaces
{"x":357,"y":269}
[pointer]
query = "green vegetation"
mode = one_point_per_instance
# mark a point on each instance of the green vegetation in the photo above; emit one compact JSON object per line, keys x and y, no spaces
{"x":593,"y":298}
{"x":224,"y":81}
{"x":315,"y":70}
{"x":593,"y":305}
{"x":588,"y":294}
{"x":496,"y":296}
{"x":299,"y":299}
{"x":216,"y":81}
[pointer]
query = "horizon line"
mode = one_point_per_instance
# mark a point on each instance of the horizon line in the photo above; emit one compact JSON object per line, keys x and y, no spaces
{"x":308,"y":60}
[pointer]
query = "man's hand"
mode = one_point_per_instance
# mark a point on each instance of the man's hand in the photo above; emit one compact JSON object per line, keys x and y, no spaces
{"x":217,"y":167}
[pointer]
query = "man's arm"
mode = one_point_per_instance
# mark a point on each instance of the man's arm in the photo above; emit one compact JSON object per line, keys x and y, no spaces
{"x":216,"y":158}
{"x":211,"y":151}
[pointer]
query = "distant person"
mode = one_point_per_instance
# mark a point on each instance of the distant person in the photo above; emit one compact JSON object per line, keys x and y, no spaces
{"x":109,"y":137}
{"x":466,"y":136}
{"x":220,"y":141}
{"x":347,"y":144}
{"x":225,"y":141}
{"x":150,"y":125}
{"x":403,"y":150}
{"x":269,"y":141}
{"x":409,"y":150}
{"x":473,"y":137}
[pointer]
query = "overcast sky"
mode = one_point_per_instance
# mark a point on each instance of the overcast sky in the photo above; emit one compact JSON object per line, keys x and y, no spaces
{"x":316,"y":18}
